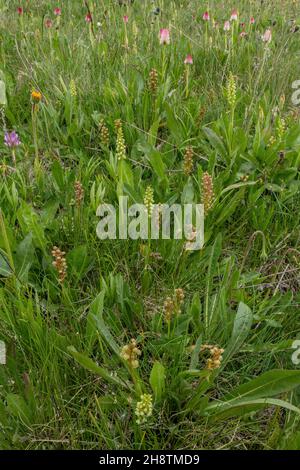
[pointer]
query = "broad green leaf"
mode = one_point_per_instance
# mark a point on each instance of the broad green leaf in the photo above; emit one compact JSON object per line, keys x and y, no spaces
{"x":152,"y":135}
{"x":215,"y":141}
{"x":58,"y":175}
{"x":132,"y":193}
{"x":24,"y":257}
{"x":95,"y":308}
{"x":5,"y":269}
{"x":271,"y":383}
{"x":195,"y":311}
{"x":79,"y":261}
{"x":18,"y":407}
{"x":187,"y":196}
{"x":157,"y":380}
{"x":241,"y":327}
{"x":215,"y":253}
{"x":29,"y":221}
{"x":125,"y":173}
{"x":240,"y":407}
{"x":157,"y":164}
{"x":238,"y":185}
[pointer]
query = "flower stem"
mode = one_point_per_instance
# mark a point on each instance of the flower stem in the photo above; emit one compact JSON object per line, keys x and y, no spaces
{"x":34,"y":130}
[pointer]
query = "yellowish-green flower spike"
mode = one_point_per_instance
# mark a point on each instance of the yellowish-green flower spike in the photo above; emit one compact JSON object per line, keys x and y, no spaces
{"x":153,"y":81}
{"x":120,"y":146}
{"x":169,"y":308}
{"x":216,"y":353}
{"x":271,"y":141}
{"x":104,"y":133}
{"x":172,"y":305}
{"x":149,"y":200}
{"x":231,"y":90}
{"x":207,"y":192}
{"x":73,"y":89}
{"x":130,"y":353}
{"x":188,"y":161}
{"x":280,"y":128}
{"x":144,"y":409}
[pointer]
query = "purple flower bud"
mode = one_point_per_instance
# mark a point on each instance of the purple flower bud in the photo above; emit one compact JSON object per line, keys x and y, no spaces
{"x":11,"y":139}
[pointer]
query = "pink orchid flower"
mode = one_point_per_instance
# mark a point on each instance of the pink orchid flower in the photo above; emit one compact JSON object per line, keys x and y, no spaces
{"x":234,"y":15}
{"x":267,"y":36}
{"x":188,"y":59}
{"x":226,"y":26}
{"x":164,"y":36}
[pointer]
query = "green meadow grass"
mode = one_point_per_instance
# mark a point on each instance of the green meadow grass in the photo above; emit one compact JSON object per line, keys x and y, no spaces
{"x":67,"y":382}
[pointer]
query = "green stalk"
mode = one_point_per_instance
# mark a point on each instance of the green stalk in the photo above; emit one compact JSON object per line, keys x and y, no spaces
{"x":34,"y":130}
{"x":6,"y":241}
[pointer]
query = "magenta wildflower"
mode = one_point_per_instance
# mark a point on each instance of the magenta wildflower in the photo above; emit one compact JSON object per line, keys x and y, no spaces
{"x":164,"y":36}
{"x":11,"y":139}
{"x":267,"y":36}
{"x":252,"y":20}
{"x":48,"y":23}
{"x":88,"y":18}
{"x":57,"y":11}
{"x":188,"y":59}
{"x":226,"y":26}
{"x":125,"y":19}
{"x":20,"y":10}
{"x":206,"y":16}
{"x":234,"y":15}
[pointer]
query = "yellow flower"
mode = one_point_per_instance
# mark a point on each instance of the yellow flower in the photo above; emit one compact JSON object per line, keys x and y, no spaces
{"x":36,"y":95}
